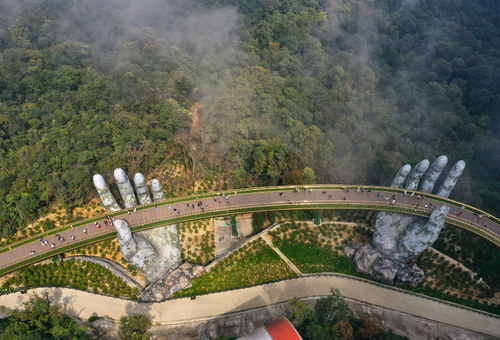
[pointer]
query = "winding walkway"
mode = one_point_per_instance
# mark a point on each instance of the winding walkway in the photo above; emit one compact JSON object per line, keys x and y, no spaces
{"x":250,"y":200}
{"x":205,"y":307}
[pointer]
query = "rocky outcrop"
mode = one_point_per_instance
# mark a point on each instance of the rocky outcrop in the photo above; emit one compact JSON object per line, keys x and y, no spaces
{"x":176,"y":280}
{"x":383,"y":268}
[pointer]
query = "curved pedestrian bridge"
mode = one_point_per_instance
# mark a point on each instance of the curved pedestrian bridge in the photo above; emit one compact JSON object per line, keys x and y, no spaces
{"x":251,"y":200}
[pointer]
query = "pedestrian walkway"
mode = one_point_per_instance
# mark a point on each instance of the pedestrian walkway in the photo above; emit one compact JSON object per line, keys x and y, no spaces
{"x":255,"y":199}
{"x":84,"y":304}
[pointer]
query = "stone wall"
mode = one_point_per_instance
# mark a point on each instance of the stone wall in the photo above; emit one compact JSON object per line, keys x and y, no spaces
{"x":241,"y":323}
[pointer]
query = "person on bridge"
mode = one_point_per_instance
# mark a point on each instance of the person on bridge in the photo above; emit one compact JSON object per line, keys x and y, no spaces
{"x":32,"y":252}
{"x":281,"y":194}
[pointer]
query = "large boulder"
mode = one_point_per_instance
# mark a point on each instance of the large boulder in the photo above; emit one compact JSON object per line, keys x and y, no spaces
{"x":381,"y":267}
{"x":175,"y":280}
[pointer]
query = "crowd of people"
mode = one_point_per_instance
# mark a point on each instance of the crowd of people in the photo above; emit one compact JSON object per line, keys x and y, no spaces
{"x":218,"y":200}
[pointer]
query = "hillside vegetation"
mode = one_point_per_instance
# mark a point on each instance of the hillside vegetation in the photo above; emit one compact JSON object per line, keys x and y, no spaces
{"x":242,"y":93}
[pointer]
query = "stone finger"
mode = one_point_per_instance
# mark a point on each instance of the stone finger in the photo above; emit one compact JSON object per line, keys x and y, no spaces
{"x":418,"y":171}
{"x":433,"y":173}
{"x":125,"y":188}
{"x":141,"y":189}
{"x":158,"y":194}
{"x":123,"y":230}
{"x":449,"y":183}
{"x":400,"y":178}
{"x":107,"y":198}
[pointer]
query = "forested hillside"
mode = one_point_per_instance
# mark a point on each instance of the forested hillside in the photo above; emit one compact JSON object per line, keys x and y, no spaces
{"x":243,"y":93}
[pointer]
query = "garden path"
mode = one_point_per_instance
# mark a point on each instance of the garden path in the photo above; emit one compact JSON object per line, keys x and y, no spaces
{"x":205,"y":307}
{"x":293,"y":267}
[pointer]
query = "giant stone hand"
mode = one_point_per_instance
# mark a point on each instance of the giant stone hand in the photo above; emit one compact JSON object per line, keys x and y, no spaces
{"x":402,"y":236}
{"x":153,"y":252}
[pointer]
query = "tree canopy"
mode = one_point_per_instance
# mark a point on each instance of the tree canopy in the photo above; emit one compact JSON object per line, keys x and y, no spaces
{"x":40,"y":319}
{"x":243,"y":93}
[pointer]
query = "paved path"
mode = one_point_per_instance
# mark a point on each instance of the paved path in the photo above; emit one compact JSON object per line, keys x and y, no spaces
{"x":283,"y":257}
{"x":206,"y":307}
{"x":247,"y":200}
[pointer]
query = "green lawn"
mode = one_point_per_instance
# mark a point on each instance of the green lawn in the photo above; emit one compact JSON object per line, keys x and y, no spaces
{"x":251,"y":265}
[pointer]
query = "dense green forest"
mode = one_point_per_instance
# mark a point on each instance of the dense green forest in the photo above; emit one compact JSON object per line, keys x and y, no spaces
{"x":243,"y":93}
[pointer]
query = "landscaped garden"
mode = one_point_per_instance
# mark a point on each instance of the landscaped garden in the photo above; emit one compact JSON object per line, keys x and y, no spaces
{"x":74,"y":274}
{"x":471,"y":250}
{"x":316,"y":249}
{"x":109,"y":249}
{"x":312,"y":249}
{"x":197,"y":241}
{"x":253,"y":264}
{"x":450,"y":282}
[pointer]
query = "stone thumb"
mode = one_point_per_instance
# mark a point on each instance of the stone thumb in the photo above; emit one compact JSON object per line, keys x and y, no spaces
{"x":438,"y":217}
{"x":123,"y":230}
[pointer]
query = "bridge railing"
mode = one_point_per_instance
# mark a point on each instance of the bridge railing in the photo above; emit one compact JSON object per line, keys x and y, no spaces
{"x":235,"y":192}
{"x":242,"y":208}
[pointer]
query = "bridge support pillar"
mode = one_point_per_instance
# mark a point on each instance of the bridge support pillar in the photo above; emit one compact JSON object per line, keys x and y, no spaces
{"x":317,"y":217}
{"x":234,"y":228}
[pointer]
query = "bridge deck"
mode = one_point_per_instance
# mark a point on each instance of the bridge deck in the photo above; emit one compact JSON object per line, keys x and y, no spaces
{"x":299,"y":200}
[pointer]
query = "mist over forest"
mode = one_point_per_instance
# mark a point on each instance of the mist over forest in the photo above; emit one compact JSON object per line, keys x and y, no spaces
{"x":243,"y":93}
